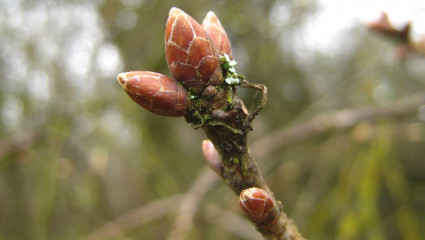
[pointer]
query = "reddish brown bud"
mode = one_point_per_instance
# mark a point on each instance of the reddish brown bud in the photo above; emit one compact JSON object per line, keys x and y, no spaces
{"x":191,"y":57}
{"x":382,"y":24}
{"x":212,"y":157}
{"x":210,"y":92}
{"x":257,"y":205}
{"x":155,"y":92}
{"x":217,"y":34}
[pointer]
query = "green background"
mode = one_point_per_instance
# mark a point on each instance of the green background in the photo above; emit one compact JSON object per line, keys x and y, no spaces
{"x":76,"y":152}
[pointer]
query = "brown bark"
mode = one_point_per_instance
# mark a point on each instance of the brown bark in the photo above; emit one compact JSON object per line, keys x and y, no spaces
{"x":226,"y":122}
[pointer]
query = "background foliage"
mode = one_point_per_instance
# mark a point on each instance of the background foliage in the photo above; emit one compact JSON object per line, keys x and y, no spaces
{"x":76,"y":152}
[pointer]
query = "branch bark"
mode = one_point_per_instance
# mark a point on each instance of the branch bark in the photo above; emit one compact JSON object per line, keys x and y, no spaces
{"x":226,"y":123}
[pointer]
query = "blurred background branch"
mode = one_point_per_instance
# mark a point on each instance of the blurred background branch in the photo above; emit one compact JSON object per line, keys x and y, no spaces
{"x":136,"y":218}
{"x":17,"y":144}
{"x":189,"y":206}
{"x":337,"y":120}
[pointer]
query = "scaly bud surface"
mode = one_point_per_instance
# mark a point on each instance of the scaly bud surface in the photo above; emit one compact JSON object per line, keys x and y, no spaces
{"x":217,"y":34}
{"x":257,"y":205}
{"x":155,"y":92}
{"x":192,"y":58}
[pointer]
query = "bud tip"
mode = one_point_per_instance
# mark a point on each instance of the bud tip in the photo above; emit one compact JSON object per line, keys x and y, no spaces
{"x":210,"y":14}
{"x":211,"y":17}
{"x":175,"y":11}
{"x":122,"y":79}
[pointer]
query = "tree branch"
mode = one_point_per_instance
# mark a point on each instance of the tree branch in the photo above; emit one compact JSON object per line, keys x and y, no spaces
{"x":232,"y":222}
{"x":135,"y":218}
{"x":332,"y":121}
{"x":204,"y":92}
{"x":321,"y":123}
{"x":17,"y":144}
{"x":227,"y":127}
{"x":190,"y":204}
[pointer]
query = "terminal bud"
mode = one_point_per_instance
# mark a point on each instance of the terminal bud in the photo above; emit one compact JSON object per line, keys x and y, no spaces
{"x":217,"y":34}
{"x":191,"y":57}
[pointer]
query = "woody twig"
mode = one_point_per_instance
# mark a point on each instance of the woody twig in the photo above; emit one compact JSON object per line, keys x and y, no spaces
{"x":203,"y":89}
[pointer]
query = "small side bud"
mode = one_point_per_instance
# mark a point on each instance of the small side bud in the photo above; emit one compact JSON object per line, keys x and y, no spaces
{"x":212,"y":157}
{"x":155,"y":92}
{"x":209,"y":92}
{"x":257,"y":205}
{"x":191,"y":57}
{"x":217,"y":34}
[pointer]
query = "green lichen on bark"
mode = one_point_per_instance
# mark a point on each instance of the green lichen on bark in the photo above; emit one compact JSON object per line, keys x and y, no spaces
{"x":226,"y":122}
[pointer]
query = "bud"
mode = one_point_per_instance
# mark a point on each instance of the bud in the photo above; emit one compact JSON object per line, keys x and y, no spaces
{"x":382,"y":24}
{"x":191,"y":57}
{"x":155,"y":92}
{"x":257,"y":205}
{"x":212,"y":157}
{"x":217,"y":34}
{"x":209,"y":92}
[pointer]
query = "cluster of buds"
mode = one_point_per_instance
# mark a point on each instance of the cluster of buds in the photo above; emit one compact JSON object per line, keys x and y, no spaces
{"x":402,"y":36}
{"x":198,"y":56}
